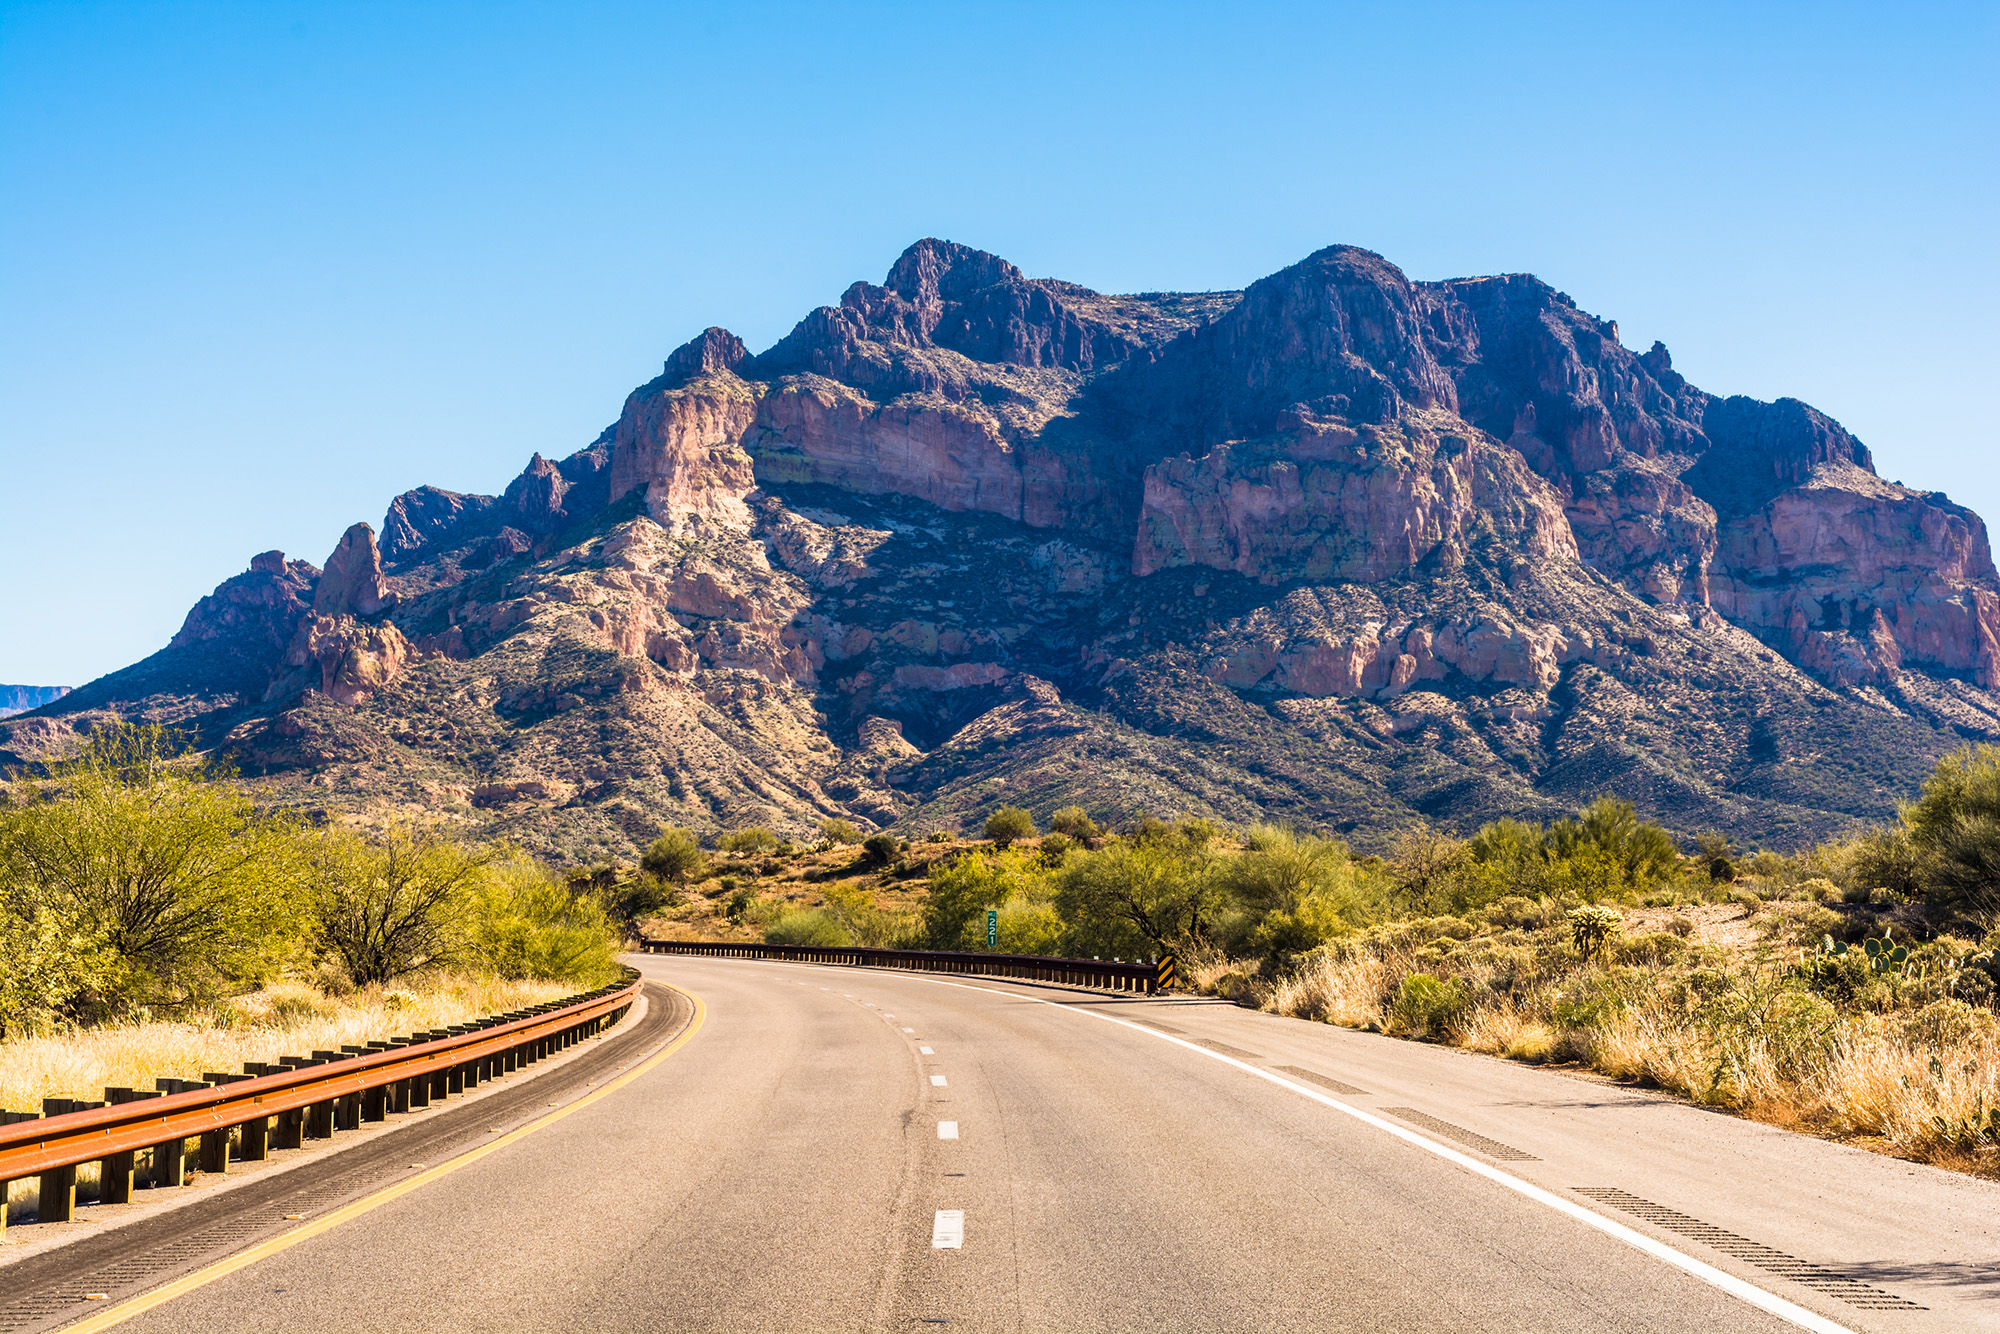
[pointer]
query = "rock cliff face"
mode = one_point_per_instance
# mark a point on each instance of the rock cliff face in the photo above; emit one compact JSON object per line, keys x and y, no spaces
{"x":1343,"y":548}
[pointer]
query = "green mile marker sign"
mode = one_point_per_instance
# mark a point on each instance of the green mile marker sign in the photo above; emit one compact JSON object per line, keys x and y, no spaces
{"x":992,"y":927}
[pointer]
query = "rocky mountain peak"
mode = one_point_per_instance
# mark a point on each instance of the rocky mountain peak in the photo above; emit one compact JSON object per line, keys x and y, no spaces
{"x":353,"y":583}
{"x":1342,"y":548}
{"x":713,"y":349}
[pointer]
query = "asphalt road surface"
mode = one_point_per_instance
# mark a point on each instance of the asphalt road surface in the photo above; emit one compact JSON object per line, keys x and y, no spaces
{"x":836,"y":1148}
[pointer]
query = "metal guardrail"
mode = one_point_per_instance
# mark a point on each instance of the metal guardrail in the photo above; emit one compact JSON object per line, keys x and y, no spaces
{"x":282,"y":1104}
{"x":1109,"y":973}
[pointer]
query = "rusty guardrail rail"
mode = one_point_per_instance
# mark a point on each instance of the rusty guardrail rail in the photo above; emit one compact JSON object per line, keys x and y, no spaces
{"x":282,"y":1104}
{"x":1110,"y":973}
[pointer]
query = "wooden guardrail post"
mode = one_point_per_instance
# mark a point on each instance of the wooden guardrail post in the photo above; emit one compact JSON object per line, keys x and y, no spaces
{"x":170,"y":1158}
{"x":215,"y":1143}
{"x":57,"y":1199}
{"x":117,"y":1173}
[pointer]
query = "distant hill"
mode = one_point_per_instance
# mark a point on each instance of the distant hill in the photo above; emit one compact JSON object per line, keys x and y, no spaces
{"x":1340,"y":549}
{"x":19,"y":699}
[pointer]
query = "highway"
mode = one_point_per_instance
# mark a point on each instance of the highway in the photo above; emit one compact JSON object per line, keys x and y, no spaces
{"x":810,"y":1148}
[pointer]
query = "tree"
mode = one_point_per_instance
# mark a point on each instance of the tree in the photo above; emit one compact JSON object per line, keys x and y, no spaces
{"x":151,"y":854}
{"x":1075,"y":822}
{"x":842,"y":832}
{"x":880,"y":849}
{"x":963,"y":889}
{"x":523,"y":922}
{"x":1009,"y":824}
{"x":387,"y":909}
{"x":1954,"y":828}
{"x":674,"y":857}
{"x":54,"y":961}
{"x":1643,"y":851}
{"x":1123,"y":895}
{"x":1295,"y":890}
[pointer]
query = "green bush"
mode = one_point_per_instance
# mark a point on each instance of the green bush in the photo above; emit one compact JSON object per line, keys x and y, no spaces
{"x":1429,"y":1006}
{"x":807,"y":926}
{"x":747,"y":842}
{"x":1008,"y":825}
{"x":880,"y":849}
{"x":167,"y":885}
{"x":841,"y":832}
{"x":675,"y":856}
{"x":1075,"y":822}
{"x":523,"y":922}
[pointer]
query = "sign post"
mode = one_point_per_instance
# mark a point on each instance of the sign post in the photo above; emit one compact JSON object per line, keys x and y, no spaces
{"x":992,"y":927}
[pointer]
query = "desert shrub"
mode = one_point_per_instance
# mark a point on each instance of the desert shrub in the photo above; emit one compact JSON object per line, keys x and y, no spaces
{"x":1073,"y":821}
{"x":1717,"y":857}
{"x":1055,"y":847}
{"x":522,"y":923}
{"x":1198,"y":833}
{"x":880,"y":849}
{"x":807,"y":926}
{"x":1517,"y":913}
{"x":1652,"y":949}
{"x":1681,"y":925}
{"x":390,"y":908}
{"x":961,"y":890}
{"x":1009,"y":824}
{"x":1291,"y":892}
{"x":1130,"y":898}
{"x":940,"y":836}
{"x":740,"y":902}
{"x":840,"y":832}
{"x":750,"y":841}
{"x":675,"y":856}
{"x":1950,"y":1023}
{"x":1429,"y":1006}
{"x":160,"y":867}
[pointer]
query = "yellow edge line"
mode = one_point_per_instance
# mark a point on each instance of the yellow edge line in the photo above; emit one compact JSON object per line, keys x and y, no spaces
{"x":347,"y":1213}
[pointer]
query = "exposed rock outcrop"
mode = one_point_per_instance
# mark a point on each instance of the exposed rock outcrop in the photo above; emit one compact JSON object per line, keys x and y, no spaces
{"x":353,"y":583}
{"x":1343,"y":548}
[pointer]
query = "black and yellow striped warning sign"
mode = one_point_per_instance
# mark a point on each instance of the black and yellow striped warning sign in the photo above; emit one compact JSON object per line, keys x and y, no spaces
{"x":1166,"y":976}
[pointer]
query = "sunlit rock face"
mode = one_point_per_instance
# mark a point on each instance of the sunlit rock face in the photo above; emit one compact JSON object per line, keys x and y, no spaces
{"x":1343,"y":548}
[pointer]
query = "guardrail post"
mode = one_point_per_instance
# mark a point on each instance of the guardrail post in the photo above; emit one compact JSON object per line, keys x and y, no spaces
{"x":57,"y":1201}
{"x":115,"y":1172}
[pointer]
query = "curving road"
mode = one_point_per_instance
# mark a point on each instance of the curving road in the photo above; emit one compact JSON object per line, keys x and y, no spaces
{"x":833,"y":1149}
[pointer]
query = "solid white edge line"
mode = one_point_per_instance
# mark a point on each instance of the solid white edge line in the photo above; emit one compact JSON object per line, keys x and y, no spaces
{"x":1768,"y":1302}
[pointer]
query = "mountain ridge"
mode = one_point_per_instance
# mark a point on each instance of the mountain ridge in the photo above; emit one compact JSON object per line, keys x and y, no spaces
{"x":1341,"y":548}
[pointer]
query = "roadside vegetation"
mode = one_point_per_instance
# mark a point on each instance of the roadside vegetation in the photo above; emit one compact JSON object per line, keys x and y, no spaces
{"x":1846,"y":990}
{"x":155,"y":922}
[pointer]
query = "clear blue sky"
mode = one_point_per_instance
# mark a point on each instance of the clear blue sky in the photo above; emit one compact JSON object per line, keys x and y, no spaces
{"x":265,"y":265}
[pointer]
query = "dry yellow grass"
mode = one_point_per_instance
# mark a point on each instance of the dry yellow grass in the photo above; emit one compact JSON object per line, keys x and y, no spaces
{"x":1923,"y":1085}
{"x":288,"y":1018}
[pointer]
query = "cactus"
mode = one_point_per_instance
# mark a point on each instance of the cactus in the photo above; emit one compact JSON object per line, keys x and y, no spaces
{"x":1884,"y":957}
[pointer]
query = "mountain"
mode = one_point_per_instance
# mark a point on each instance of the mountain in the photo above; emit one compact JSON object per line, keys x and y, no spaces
{"x":1341,"y":548}
{"x":19,"y":699}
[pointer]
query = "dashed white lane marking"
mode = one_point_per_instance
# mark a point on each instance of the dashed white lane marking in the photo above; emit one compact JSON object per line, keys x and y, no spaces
{"x":1749,"y":1293}
{"x":947,"y":1130}
{"x":948,"y":1230}
{"x":927,"y":1051}
{"x":937,"y":1081}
